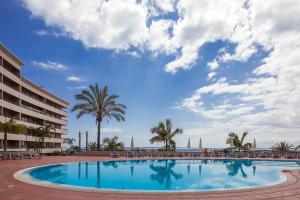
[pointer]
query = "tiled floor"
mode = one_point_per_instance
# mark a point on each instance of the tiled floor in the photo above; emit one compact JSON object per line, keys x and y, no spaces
{"x":12,"y":189}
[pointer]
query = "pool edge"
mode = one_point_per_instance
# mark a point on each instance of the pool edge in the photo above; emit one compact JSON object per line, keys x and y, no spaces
{"x":19,"y":175}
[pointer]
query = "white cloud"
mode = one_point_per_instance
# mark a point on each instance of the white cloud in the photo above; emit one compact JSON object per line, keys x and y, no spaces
{"x":101,"y":24}
{"x":213,"y":65}
{"x":77,"y":87}
{"x":159,"y":37}
{"x":96,"y":23}
{"x":268,"y":101}
{"x":111,"y":130}
{"x":74,"y":78}
{"x":165,"y":5}
{"x":42,"y":32}
{"x":54,"y":33}
{"x":268,"y":98}
{"x":50,"y":65}
{"x":211,"y":75}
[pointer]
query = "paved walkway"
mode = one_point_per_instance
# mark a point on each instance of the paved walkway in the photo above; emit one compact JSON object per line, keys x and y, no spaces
{"x":12,"y":189}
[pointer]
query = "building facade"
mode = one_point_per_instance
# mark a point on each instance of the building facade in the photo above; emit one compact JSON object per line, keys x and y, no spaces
{"x":29,"y":104}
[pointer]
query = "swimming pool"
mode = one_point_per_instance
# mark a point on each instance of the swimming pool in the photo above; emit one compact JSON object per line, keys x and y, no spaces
{"x":163,"y":175}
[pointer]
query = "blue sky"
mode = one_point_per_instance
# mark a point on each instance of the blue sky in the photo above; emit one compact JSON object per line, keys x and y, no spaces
{"x":209,"y":73}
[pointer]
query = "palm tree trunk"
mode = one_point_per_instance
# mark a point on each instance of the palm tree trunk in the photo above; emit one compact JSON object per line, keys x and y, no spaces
{"x":98,"y":134}
{"x":166,"y":144}
{"x":26,"y":142}
{"x":5,"y":141}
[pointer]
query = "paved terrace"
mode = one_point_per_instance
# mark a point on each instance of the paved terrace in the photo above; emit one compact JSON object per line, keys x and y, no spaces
{"x":12,"y":189}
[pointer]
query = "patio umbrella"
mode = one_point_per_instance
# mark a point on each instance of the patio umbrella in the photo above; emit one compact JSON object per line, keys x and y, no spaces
{"x":200,"y":144}
{"x":132,"y":143}
{"x":189,"y":143}
{"x":254,"y":145}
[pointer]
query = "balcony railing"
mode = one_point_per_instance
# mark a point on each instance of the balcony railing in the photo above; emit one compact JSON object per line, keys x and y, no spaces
{"x":33,"y":109}
{"x":31,"y":121}
{"x":11,"y":86}
{"x":11,"y":101}
{"x":32,"y":96}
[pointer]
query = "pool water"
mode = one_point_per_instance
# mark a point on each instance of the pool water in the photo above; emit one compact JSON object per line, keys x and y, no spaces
{"x":165,"y":175}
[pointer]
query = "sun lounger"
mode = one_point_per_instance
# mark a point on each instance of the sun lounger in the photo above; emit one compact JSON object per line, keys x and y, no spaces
{"x":114,"y":154}
{"x":35,"y":155}
{"x":130,"y":154}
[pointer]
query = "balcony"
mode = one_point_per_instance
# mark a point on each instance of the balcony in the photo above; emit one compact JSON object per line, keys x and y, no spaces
{"x":32,"y":95}
{"x":33,"y":109}
{"x":11,"y":101}
{"x":9,"y":67}
{"x":10,"y":114}
{"x":32,"y":120}
{"x":6,"y":81}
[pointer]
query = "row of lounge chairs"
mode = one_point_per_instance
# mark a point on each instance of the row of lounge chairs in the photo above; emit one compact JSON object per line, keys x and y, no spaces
{"x":217,"y":154}
{"x":13,"y":155}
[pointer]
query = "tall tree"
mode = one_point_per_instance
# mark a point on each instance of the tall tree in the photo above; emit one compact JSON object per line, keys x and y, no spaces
{"x":42,"y":133}
{"x":282,"y":147}
{"x":163,"y":133}
{"x":98,"y":103}
{"x":236,"y":142}
{"x":112,"y":143}
{"x":69,"y":141}
{"x":11,"y":127}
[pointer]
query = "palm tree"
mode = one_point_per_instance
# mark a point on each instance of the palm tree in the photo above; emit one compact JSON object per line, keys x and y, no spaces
{"x":92,"y":146}
{"x":163,"y":133}
{"x":112,"y":143}
{"x":234,"y":141}
{"x":282,"y":147}
{"x":41,"y":133}
{"x":22,"y":129}
{"x":11,"y":127}
{"x":98,"y":103}
{"x":69,"y":141}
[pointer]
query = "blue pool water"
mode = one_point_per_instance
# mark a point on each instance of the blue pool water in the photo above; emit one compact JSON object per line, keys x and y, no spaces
{"x":165,"y":175}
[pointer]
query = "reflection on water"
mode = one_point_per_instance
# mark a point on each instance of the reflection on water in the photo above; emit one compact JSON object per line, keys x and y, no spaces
{"x":112,"y":164}
{"x":98,"y":175}
{"x":86,"y":170}
{"x":236,"y":166}
{"x":164,"y":172}
{"x":131,"y":170}
{"x":200,"y":169}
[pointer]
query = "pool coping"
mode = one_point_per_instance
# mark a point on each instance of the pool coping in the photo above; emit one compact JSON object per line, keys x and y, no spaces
{"x":19,"y":175}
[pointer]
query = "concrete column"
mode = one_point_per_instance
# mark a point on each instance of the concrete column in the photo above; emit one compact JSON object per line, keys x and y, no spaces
{"x":79,"y":140}
{"x":86,"y":140}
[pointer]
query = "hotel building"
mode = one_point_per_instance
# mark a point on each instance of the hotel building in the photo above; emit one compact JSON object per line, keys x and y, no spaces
{"x":29,"y":104}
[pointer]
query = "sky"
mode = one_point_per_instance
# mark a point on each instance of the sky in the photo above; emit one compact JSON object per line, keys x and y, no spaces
{"x":213,"y":67}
